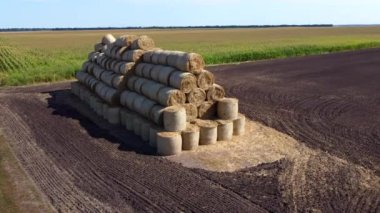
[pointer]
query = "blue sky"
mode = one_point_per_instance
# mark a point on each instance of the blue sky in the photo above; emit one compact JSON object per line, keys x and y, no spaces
{"x":117,"y":13}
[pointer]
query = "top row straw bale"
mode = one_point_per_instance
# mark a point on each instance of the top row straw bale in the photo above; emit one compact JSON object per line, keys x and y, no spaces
{"x":133,"y":42}
{"x":187,"y":62}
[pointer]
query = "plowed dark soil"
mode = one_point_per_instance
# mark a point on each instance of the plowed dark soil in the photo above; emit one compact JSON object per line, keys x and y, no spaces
{"x":329,"y":103}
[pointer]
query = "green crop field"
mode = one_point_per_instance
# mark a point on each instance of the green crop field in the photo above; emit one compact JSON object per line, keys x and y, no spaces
{"x":31,"y":57}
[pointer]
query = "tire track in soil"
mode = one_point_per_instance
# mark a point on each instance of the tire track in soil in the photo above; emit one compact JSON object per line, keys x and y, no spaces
{"x":58,"y":185}
{"x":146,"y":183}
{"x":319,"y":182}
{"x":327,"y":102}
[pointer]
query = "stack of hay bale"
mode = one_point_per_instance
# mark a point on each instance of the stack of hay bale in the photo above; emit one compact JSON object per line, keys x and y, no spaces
{"x":166,"y":97}
{"x":103,"y":76}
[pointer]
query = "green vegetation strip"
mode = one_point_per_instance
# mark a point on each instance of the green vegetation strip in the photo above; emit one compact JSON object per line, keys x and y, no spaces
{"x":283,"y":52}
{"x":61,"y":65}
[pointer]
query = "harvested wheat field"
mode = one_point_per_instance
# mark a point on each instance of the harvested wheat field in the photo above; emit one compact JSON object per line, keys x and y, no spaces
{"x":312,"y":144}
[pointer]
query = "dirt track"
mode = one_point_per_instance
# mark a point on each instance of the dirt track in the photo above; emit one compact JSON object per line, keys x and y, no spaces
{"x":329,"y":103}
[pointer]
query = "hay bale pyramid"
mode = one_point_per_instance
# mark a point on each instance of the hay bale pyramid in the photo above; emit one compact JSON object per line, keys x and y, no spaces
{"x":166,"y":97}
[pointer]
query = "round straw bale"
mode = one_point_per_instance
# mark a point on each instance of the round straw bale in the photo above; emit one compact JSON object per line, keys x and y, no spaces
{"x":108,"y":48}
{"x":173,"y":57}
{"x":155,"y":56}
{"x":174,"y":118}
{"x":113,"y":115}
{"x":146,"y":70}
{"x":114,"y":51}
{"x":119,"y":82}
{"x":169,"y":143}
{"x":161,"y":73}
{"x":93,"y":57}
{"x":153,"y":130}
{"x":143,"y":42}
{"x":129,"y":98}
{"x":137,"y":103}
{"x":139,"y":84}
{"x":191,"y":111}
{"x":132,"y":55}
{"x":139,"y":69}
{"x":116,"y":68}
{"x":205,"y":80}
{"x":125,"y":95}
{"x":239,"y":125}
{"x":151,"y":89}
{"x":190,"y":137}
{"x":156,"y":114}
{"x":98,"y":88}
{"x":108,"y":39}
{"x":164,"y":74}
{"x":168,"y":96}
{"x":107,"y":77}
{"x":147,"y":56}
{"x":207,"y":110}
{"x":145,"y":128}
{"x":215,"y":93}
{"x":154,"y":72}
{"x":105,"y":49}
{"x":120,"y":52}
{"x":92,"y":82}
{"x":98,"y":71}
{"x":137,"y":121}
{"x":112,"y":96}
{"x":100,"y":57}
{"x":129,"y":117}
{"x":196,"y":96}
{"x":189,"y":62}
{"x":125,"y":40}
{"x":108,"y":63}
{"x":126,"y":68}
{"x":103,"y":61}
{"x":208,"y":132}
{"x":100,"y":60}
{"x":146,"y":107}
{"x":225,"y":130}
{"x":113,"y":65}
{"x":131,"y":82}
{"x":98,"y":47}
{"x":162,"y":57}
{"x":228,"y":108}
{"x":183,"y":81}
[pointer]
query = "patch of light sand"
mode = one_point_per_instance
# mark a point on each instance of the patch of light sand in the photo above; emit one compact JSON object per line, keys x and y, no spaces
{"x":260,"y":144}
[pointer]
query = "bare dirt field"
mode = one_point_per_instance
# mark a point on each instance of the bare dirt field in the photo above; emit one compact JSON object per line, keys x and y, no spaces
{"x":313,"y":145}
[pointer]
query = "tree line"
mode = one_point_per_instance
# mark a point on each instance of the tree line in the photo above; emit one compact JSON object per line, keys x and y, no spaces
{"x":158,"y":27}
